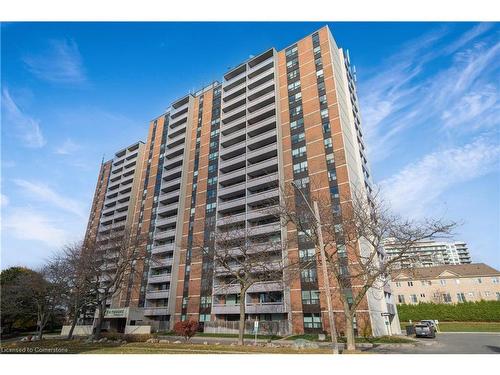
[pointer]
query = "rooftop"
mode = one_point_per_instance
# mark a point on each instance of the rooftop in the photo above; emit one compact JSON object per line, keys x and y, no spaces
{"x":461,"y":270}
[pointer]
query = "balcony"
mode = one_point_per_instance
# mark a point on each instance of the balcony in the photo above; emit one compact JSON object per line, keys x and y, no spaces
{"x":268,"y":286}
{"x":250,"y":308}
{"x":265,"y":229}
{"x":170,"y":174}
{"x":262,"y":126}
{"x":166,"y":208}
{"x":262,"y":153}
{"x":267,"y":166}
{"x":233,"y":163}
{"x":171,"y":185}
{"x":232,"y":177}
{"x":174,"y":151}
{"x":263,"y":180}
{"x":166,"y":220}
{"x":162,"y":262}
{"x":258,"y":92}
{"x":262,"y":77}
{"x":159,"y":249}
{"x":230,"y":190}
{"x":161,"y":294}
{"x":233,"y":150}
{"x":167,"y":277}
{"x":261,"y":101}
{"x":159,"y":235}
{"x":262,"y":113}
{"x":169,"y":197}
{"x":224,"y":207}
{"x":233,"y":137}
{"x":260,"y":65}
{"x":179,"y":121}
{"x":232,"y":219}
{"x":175,"y":112}
{"x":234,"y":98}
{"x":271,"y":194}
{"x":262,"y":212}
{"x":155,"y":311}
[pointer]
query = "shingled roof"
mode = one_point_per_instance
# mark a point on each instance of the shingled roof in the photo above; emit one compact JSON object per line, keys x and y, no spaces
{"x":460,"y":270}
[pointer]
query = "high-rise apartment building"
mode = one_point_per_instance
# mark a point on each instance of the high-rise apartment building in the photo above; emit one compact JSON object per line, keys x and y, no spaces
{"x":431,"y":253}
{"x":222,"y":155}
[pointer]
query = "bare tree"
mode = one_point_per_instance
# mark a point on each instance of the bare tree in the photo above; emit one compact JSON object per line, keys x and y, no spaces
{"x":110,"y":264}
{"x":353,"y":237}
{"x":242,"y":258}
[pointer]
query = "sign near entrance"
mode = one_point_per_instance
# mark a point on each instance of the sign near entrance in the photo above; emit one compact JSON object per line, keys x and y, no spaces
{"x":116,"y":313}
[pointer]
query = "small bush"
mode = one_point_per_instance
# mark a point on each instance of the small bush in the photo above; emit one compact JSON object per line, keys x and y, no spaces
{"x":186,"y":329}
{"x":137,"y":338}
{"x":112,"y":335}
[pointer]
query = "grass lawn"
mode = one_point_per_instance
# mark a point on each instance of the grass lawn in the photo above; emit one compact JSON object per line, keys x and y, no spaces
{"x":465,"y":326}
{"x":75,"y":346}
{"x":372,"y":340}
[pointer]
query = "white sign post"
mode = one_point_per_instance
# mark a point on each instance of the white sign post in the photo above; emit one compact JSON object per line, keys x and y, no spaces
{"x":256,"y":329}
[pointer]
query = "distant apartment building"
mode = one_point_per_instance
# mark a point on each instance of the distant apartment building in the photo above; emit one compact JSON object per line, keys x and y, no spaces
{"x":431,"y":253}
{"x":447,"y":284}
{"x":222,"y":154}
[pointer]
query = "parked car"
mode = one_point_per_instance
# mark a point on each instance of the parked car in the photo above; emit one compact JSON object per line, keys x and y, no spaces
{"x":425,"y":330}
{"x":432,"y":323}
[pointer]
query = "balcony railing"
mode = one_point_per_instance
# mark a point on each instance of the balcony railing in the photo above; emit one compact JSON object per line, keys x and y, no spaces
{"x":160,"y":294}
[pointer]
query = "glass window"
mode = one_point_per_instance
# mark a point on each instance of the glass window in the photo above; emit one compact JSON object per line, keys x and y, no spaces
{"x":291,"y":50}
{"x":211,"y":207}
{"x":446,"y":297}
{"x":310,"y":297}
{"x":442,"y":282}
{"x":398,"y":284}
{"x":401,"y":298}
{"x":312,"y":321}
{"x":461,"y":297}
{"x":297,"y":152}
{"x":308,"y":275}
{"x":298,"y":137}
{"x":410,"y":283}
{"x":307,"y":254}
{"x":324,"y":113}
{"x":300,"y":167}
{"x":413,"y":298}
{"x":294,"y":85}
{"x":297,"y":123}
{"x":302,"y":182}
{"x":293,"y":74}
{"x":213,"y":155}
{"x":328,"y":142}
{"x":332,"y":176}
{"x":330,"y":159}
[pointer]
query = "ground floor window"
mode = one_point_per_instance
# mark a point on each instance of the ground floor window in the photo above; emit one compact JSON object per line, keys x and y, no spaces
{"x":312,"y":320}
{"x":204,"y":317}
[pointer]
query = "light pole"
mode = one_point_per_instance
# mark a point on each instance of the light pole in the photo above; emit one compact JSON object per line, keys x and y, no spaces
{"x":321,"y":246}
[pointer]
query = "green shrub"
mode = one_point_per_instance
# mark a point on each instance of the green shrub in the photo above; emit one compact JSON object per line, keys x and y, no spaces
{"x":137,"y":338}
{"x":481,"y":311}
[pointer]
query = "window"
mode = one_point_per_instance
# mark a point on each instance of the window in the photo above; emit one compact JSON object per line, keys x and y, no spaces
{"x":322,"y":99}
{"x":398,"y":284}
{"x":293,"y":74}
{"x":213,"y":155}
{"x":423,"y":282}
{"x":471,"y":294}
{"x":211,"y":207}
{"x":300,"y":167}
{"x":413,"y":298}
{"x":479,"y":281}
{"x":308,"y":275}
{"x":212,"y":168}
{"x":294,"y":98}
{"x":410,"y":283}
{"x":334,"y":191}
{"x":446,"y":298}
{"x":495,"y":280}
{"x":204,"y":317}
{"x":211,"y":193}
{"x":461,"y":297}
{"x":422,"y":295}
{"x":307,"y":254}
{"x":310,"y":297}
{"x":184,"y":302}
{"x":328,"y":142}
{"x":312,"y":320}
{"x":316,"y":49}
{"x":214,"y":144}
{"x":401,"y":298}
{"x":324,"y":113}
{"x":295,"y":124}
{"x":332,"y":176}
{"x":295,"y":111}
{"x":205,"y":301}
{"x":457,"y":281}
{"x":211,"y":181}
{"x":487,"y":294}
{"x":213,"y":133}
{"x":290,"y":51}
{"x":293,"y":86}
{"x":330,"y":159}
{"x":292,"y":62}
{"x":297,"y":152}
{"x":301,"y":183}
{"x":298,"y":137}
{"x":319,"y":73}
{"x":498,"y":296}
{"x":442,"y":282}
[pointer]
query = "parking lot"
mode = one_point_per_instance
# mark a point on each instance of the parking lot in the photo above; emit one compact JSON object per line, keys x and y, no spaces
{"x":450,"y":343}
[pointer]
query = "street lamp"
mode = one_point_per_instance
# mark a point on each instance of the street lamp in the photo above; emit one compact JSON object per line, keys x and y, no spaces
{"x":321,"y":246}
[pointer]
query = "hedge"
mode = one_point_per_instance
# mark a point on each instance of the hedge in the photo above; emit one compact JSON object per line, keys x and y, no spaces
{"x":482,"y":311}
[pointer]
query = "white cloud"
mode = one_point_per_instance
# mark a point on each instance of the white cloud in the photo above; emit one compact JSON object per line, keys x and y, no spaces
{"x":4,"y":200}
{"x":43,"y":193}
{"x":404,"y":94}
{"x":61,"y":63}
{"x":26,"y":127}
{"x":26,"y":224}
{"x":67,"y":147}
{"x":416,"y":188}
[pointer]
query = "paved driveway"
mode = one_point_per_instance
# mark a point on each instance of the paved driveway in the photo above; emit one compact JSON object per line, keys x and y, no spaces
{"x":450,"y":343}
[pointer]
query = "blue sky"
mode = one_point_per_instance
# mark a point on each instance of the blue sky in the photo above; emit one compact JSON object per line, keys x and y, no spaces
{"x":73,"y":92}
